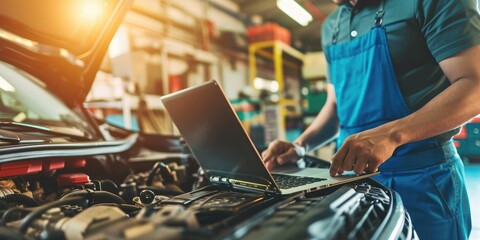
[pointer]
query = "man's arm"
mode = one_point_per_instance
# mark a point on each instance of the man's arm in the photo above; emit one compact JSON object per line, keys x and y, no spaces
{"x":325,"y":125}
{"x":451,"y":108}
{"x":323,"y":128}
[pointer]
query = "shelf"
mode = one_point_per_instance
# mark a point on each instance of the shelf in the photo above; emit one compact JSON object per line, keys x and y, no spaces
{"x":281,"y":55}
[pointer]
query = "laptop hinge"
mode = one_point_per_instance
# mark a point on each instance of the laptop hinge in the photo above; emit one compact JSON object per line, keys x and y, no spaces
{"x":218,"y":180}
{"x":241,"y":184}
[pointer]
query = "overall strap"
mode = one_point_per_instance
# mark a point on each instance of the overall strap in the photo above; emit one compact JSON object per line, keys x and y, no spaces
{"x":337,"y":26}
{"x":378,"y":20}
{"x":379,"y":14}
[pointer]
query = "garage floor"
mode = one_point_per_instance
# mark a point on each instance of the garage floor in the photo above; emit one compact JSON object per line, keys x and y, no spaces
{"x":472,"y":175}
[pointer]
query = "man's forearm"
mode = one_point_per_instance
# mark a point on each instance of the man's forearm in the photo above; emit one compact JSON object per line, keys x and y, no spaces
{"x":367,"y":150}
{"x":453,"y":107}
{"x":458,"y":103}
{"x":324,"y":127}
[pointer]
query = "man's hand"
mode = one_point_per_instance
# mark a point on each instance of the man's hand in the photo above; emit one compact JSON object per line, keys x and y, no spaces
{"x":279,"y":153}
{"x":364,"y":151}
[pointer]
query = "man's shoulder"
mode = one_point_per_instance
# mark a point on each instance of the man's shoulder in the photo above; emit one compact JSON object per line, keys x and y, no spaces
{"x":330,"y":20}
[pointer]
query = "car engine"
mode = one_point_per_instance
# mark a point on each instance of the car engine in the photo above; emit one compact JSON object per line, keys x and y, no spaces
{"x":173,"y":200}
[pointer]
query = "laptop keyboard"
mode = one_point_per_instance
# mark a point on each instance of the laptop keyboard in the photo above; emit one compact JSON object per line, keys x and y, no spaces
{"x":287,"y":181}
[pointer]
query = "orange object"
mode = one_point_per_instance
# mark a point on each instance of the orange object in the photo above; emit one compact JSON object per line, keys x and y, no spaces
{"x":268,"y":32}
{"x":175,"y":83}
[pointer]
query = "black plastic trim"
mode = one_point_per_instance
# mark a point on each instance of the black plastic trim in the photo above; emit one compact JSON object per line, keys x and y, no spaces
{"x":8,"y":154}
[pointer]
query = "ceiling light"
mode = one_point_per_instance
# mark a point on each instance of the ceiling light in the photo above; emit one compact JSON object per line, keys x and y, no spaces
{"x":295,"y":11}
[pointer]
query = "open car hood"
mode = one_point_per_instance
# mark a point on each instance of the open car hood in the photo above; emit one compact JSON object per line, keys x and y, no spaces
{"x":60,"y":42}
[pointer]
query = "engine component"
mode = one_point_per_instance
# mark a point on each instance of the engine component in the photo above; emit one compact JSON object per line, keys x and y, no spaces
{"x":137,"y":229}
{"x":78,"y":226}
{"x":25,"y":223}
{"x":8,"y":233}
{"x":170,"y":222}
{"x":128,"y":191}
{"x":349,"y":212}
{"x":106,"y":185}
{"x":20,"y":199}
{"x":80,"y":198}
{"x":72,"y":222}
{"x":176,"y":215}
{"x":20,"y":168}
{"x":147,"y":197}
{"x":72,"y":179}
{"x":10,"y":196}
{"x":164,"y":171}
{"x":5,"y":192}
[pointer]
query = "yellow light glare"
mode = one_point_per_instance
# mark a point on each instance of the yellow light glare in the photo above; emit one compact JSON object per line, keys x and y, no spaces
{"x":274,"y":87}
{"x":19,"y":40}
{"x":120,"y":43}
{"x":91,"y":9}
{"x":264,"y":84}
{"x":258,"y":83}
{"x":6,"y":86}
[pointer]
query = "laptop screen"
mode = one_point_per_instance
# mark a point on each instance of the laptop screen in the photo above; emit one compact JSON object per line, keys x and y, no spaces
{"x":214,"y":133}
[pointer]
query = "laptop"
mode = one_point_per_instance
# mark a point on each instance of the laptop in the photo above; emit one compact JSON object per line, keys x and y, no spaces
{"x":217,"y":139}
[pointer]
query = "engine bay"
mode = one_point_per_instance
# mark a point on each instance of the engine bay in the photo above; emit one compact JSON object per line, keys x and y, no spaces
{"x":156,"y":190}
{"x":172,"y":200}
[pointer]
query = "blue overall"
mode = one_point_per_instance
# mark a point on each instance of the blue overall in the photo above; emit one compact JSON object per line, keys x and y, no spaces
{"x":427,"y":174}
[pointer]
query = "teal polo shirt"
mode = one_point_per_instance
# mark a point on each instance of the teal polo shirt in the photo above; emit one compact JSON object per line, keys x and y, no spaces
{"x":420,"y":33}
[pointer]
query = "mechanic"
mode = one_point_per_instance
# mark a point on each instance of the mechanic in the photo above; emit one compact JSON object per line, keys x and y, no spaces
{"x":403,"y":76}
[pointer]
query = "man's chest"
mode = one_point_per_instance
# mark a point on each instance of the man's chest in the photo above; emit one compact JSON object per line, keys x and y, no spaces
{"x":406,"y":43}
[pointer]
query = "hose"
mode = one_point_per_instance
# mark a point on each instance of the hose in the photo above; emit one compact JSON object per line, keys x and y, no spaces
{"x":109,"y":186}
{"x":164,"y":171}
{"x":7,"y":214}
{"x":3,"y":206}
{"x":127,"y":208}
{"x":21,"y":199}
{"x":6,"y":233}
{"x":10,"y":196}
{"x":160,"y":191}
{"x":96,"y":196}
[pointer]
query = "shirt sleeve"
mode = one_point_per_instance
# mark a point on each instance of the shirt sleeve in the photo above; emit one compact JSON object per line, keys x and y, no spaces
{"x":326,"y":36}
{"x":449,"y":26}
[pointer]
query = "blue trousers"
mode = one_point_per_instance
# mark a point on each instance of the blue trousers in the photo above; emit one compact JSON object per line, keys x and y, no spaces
{"x":435,"y":197}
